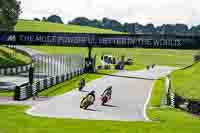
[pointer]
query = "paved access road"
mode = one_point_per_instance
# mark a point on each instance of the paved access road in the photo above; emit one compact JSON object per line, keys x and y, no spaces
{"x":130,"y":96}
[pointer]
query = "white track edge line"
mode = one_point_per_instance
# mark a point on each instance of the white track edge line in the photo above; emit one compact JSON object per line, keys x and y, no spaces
{"x":147,"y":102}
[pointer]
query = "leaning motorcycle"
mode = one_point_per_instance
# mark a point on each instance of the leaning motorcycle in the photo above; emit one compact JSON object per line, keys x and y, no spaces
{"x":87,"y":102}
{"x":105,"y":99}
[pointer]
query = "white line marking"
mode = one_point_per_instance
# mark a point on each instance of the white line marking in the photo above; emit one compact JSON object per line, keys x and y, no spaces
{"x":147,"y":102}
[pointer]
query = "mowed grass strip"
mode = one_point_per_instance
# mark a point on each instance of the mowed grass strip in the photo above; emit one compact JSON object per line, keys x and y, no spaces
{"x":158,"y":93}
{"x":186,"y":82}
{"x":165,"y":120}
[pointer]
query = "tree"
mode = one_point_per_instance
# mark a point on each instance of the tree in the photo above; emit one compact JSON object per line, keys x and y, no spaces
{"x":44,"y":19}
{"x":36,"y":19}
{"x":108,"y":23}
{"x":9,"y":14}
{"x":83,"y":21}
{"x":94,"y":23}
{"x":55,"y":19}
{"x":149,"y":28}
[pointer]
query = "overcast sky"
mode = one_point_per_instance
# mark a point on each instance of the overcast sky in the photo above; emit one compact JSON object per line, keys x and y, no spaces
{"x":143,"y":11}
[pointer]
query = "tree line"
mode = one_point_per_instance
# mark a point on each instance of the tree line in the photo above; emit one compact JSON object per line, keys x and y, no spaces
{"x":115,"y":25}
{"x":10,"y":11}
{"x":107,"y":23}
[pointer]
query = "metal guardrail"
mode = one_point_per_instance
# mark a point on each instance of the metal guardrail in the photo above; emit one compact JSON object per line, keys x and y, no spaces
{"x":14,"y":70}
{"x":26,"y":91}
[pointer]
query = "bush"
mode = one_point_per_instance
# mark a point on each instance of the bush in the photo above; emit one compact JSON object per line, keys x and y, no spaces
{"x":196,"y":57}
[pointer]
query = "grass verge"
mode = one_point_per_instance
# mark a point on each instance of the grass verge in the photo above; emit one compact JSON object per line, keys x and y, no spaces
{"x":6,"y":93}
{"x":170,"y":119}
{"x":186,"y":82}
{"x":157,"y":93}
{"x":11,"y":57}
{"x":134,"y":67}
{"x":141,"y":57}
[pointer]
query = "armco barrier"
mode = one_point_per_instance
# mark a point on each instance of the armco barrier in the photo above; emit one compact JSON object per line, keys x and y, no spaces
{"x":14,"y":70}
{"x":26,"y":91}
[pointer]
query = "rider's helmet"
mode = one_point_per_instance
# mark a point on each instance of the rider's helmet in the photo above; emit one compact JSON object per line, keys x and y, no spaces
{"x":109,"y":88}
{"x":93,"y":92}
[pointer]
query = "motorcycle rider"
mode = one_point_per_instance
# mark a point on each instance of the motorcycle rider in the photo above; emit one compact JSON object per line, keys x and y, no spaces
{"x":81,"y":84}
{"x":92,"y":93}
{"x":107,"y":92}
{"x":89,"y":96}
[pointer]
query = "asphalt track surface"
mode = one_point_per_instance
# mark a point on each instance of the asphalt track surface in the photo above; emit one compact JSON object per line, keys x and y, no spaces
{"x":130,"y":97}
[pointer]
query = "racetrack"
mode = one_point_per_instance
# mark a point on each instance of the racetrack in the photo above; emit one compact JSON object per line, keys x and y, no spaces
{"x":128,"y":103}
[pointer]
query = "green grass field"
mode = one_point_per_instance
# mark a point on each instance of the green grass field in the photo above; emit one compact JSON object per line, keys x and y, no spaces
{"x":186,"y":82}
{"x":165,"y":120}
{"x":35,"y":26}
{"x":168,"y":57}
{"x":11,"y":57}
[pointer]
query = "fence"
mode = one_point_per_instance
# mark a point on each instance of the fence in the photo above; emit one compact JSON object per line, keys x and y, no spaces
{"x":26,"y":91}
{"x":52,"y":65}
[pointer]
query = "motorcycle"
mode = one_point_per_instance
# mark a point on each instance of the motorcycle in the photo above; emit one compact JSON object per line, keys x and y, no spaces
{"x":85,"y":103}
{"x":105,"y":98}
{"x":81,"y":87}
{"x":148,"y":67}
{"x":82,"y":84}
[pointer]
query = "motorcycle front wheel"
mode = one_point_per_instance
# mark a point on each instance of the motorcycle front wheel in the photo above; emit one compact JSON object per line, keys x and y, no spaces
{"x":104,"y":100}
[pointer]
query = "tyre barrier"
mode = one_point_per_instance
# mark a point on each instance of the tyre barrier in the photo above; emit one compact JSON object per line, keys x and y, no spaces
{"x":172,"y":99}
{"x":170,"y":95}
{"x":189,"y":105}
{"x":26,"y":91}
